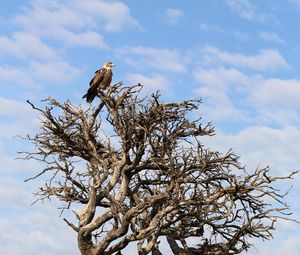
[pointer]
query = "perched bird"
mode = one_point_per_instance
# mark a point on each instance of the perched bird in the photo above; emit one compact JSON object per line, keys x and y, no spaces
{"x":101,"y":81}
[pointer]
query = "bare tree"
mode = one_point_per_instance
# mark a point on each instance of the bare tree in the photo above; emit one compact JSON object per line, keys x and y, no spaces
{"x":149,"y":177}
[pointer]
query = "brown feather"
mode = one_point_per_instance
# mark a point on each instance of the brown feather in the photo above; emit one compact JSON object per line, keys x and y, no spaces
{"x":100,"y":81}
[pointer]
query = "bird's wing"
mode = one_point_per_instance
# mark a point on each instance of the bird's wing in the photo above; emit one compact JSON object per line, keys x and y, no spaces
{"x":98,"y":78}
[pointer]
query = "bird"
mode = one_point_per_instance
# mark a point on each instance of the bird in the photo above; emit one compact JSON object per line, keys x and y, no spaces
{"x":100,"y":81}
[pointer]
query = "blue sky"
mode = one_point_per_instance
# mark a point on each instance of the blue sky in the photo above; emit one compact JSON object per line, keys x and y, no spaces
{"x":241,"y":57}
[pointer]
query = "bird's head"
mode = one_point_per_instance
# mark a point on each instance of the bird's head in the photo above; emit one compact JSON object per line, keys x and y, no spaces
{"x":108,"y":65}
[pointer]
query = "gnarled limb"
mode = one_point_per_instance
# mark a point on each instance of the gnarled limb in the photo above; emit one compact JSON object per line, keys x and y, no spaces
{"x":155,"y":180}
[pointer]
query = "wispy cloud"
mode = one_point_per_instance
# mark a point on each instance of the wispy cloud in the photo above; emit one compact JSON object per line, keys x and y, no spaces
{"x":36,"y":74}
{"x":76,"y":23}
{"x":32,"y":231}
{"x":174,"y":16}
{"x":216,"y":87}
{"x":57,"y":72}
{"x":246,"y":10}
{"x":13,"y":77}
{"x":79,"y":39}
{"x":115,"y":15}
{"x":265,"y":60}
{"x":166,"y":60}
{"x":295,"y":3}
{"x":151,"y":83}
{"x":43,"y":25}
{"x":75,"y":15}
{"x":224,"y":80}
{"x":271,"y":37}
{"x":25,"y":45}
{"x":277,"y":101}
{"x":210,"y":28}
{"x":276,"y":142}
{"x":220,"y":77}
{"x":19,"y":118}
{"x":231,"y":95}
{"x":11,"y":108}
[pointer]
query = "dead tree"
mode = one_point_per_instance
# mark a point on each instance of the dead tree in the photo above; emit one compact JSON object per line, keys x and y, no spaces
{"x":138,"y":168}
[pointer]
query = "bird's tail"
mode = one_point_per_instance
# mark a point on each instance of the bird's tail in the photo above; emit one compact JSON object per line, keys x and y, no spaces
{"x":89,"y":98}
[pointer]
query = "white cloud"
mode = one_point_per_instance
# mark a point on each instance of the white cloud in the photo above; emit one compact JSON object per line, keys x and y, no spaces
{"x":265,"y":60}
{"x":261,"y":145}
{"x":243,"y":8}
{"x":151,"y":83}
{"x":12,"y":77}
{"x":215,"y":84}
{"x":34,"y":236}
{"x":232,"y":95}
{"x":15,"y":198}
{"x":116,"y":15}
{"x":18,"y":169}
{"x":169,"y":60}
{"x":249,"y":98}
{"x":38,"y":230}
{"x":76,"y":19}
{"x":54,"y":72}
{"x":222,"y":89}
{"x":81,"y":39}
{"x":271,"y":37}
{"x":209,"y":28}
{"x":246,"y":10}
{"x":42,"y":15}
{"x":221,"y":111}
{"x":283,"y":93}
{"x":18,"y":118}
{"x":12,"y":128}
{"x":23,"y":45}
{"x":277,"y":101}
{"x":37,"y":74}
{"x":12,"y":108}
{"x":289,"y":245}
{"x":219,"y":77}
{"x":174,"y":15}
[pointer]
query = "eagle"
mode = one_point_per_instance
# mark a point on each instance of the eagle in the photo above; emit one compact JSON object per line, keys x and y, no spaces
{"x":100,"y":81}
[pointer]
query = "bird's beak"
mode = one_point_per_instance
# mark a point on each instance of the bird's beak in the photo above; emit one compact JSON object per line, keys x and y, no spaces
{"x":112,"y":65}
